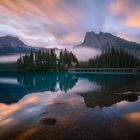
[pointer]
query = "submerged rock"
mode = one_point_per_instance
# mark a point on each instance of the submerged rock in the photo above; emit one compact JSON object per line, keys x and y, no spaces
{"x":129,"y":96}
{"x":129,"y":93}
{"x":48,"y":121}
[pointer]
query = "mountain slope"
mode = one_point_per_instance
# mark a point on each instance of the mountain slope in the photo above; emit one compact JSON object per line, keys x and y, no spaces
{"x":10,"y":45}
{"x":104,"y":40}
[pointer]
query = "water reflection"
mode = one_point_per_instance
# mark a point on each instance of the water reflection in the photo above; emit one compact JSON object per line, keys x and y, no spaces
{"x":48,"y":81}
{"x":24,"y":118}
{"x":67,"y":81}
{"x":96,"y":89}
{"x":32,"y":107}
{"x":8,"y":80}
{"x":133,"y":117}
{"x":105,"y":99}
{"x":84,"y":106}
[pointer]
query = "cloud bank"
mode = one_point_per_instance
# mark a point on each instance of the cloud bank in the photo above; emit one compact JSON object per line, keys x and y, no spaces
{"x":63,"y":23}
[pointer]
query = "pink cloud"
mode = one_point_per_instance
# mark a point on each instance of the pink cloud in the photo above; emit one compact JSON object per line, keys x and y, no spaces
{"x":128,"y":11}
{"x":52,"y":23}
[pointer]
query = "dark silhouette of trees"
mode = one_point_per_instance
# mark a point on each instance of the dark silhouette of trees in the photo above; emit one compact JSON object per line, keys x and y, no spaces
{"x":67,"y":59}
{"x":47,"y":60}
{"x":114,"y":58}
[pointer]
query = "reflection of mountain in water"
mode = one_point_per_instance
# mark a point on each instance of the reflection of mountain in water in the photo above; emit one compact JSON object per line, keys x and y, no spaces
{"x":105,"y":99}
{"x":34,"y":82}
{"x":26,"y":83}
{"x":115,"y":82}
{"x":111,"y":84}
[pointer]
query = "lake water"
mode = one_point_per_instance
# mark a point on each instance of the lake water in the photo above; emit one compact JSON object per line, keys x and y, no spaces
{"x":59,"y":106}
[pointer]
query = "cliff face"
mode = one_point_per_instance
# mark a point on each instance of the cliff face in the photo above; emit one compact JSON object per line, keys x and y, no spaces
{"x":9,"y":45}
{"x":9,"y":41}
{"x":13,"y":45}
{"x":104,"y":40}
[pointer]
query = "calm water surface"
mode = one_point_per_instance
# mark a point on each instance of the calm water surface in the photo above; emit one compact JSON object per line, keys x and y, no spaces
{"x":55,"y":106}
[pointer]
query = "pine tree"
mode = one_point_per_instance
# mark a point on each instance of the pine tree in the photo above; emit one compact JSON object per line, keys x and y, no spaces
{"x":114,"y":58}
{"x":47,"y":60}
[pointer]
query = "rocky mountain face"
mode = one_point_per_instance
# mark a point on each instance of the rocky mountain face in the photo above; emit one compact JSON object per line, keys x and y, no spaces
{"x":12,"y":45}
{"x":104,"y":40}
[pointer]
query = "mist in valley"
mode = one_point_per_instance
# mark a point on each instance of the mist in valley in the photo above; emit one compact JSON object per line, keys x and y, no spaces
{"x":82,"y":53}
{"x":9,"y":58}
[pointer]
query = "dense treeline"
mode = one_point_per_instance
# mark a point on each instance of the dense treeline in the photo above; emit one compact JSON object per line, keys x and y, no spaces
{"x":47,"y":60}
{"x":114,"y":58}
{"x":67,"y":59}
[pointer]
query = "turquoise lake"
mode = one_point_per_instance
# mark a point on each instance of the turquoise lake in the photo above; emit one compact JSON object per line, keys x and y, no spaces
{"x":75,"y":106}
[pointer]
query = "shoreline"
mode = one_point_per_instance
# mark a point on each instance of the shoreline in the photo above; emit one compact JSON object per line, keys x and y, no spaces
{"x":74,"y":72}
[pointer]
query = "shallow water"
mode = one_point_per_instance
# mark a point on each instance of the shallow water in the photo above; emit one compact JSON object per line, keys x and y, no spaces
{"x":57,"y":106}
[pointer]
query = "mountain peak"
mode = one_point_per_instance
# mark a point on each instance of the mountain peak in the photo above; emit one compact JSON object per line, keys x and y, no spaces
{"x":10,"y":41}
{"x":9,"y":36}
{"x":10,"y":44}
{"x":100,"y":33}
{"x":103,"y":40}
{"x":13,"y":45}
{"x":90,"y":38}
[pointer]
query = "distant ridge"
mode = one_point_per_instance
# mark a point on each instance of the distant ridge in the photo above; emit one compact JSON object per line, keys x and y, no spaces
{"x":13,"y":45}
{"x":104,"y":40}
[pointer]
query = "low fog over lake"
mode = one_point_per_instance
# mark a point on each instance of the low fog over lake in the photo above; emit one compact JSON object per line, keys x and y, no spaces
{"x":9,"y":58}
{"x":82,"y":53}
{"x":85,"y":53}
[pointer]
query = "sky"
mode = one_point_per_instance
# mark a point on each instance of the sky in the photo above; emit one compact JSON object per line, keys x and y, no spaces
{"x":63,"y":23}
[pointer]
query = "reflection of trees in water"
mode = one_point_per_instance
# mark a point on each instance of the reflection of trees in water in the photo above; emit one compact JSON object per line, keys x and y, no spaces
{"x":34,"y":82}
{"x":47,"y":81}
{"x":115,"y":83}
{"x":67,"y":81}
{"x":104,"y":99}
{"x":38,"y":82}
{"x":111,"y":84}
